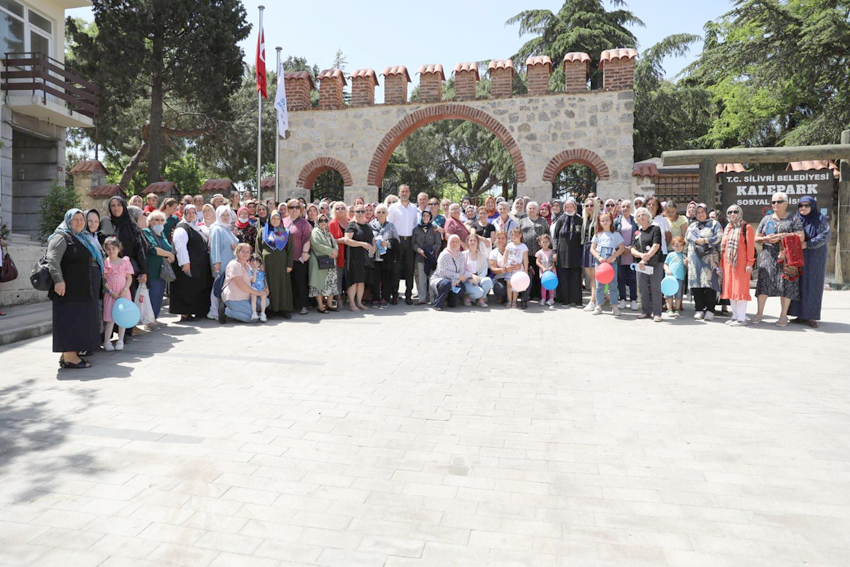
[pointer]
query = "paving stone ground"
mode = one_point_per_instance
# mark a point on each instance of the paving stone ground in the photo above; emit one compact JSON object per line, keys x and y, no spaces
{"x":415,"y":438}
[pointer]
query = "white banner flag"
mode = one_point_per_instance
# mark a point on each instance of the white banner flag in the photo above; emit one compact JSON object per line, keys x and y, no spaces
{"x":280,"y":104}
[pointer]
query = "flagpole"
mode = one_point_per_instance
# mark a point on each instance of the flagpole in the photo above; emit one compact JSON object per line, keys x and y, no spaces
{"x":260,"y":123}
{"x":278,"y":71}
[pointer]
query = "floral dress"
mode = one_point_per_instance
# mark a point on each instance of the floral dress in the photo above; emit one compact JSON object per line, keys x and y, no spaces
{"x":703,"y":272}
{"x":770,"y":281}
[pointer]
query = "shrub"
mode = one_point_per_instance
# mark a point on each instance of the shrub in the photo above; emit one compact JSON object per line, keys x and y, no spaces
{"x":54,"y":205}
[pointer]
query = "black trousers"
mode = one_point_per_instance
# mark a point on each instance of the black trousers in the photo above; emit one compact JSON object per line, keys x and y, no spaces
{"x":705,"y":298}
{"x":569,"y":286}
{"x":500,"y":290}
{"x":382,"y":278}
{"x":300,"y":288}
{"x":406,"y":268}
{"x":534,"y":274}
{"x":445,"y":295}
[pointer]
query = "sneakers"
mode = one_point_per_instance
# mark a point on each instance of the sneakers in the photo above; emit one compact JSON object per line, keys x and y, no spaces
{"x":669,"y":313}
{"x":676,"y":313}
{"x":542,"y":302}
{"x":622,"y":304}
{"x":615,"y":311}
{"x":736,"y":323}
{"x":481,"y":303}
{"x":107,"y":346}
{"x":699,"y":315}
{"x":657,"y":318}
{"x":304,"y":311}
{"x":633,"y":306}
{"x":255,"y":316}
{"x":598,"y":310}
{"x":263,"y":317}
{"x":729,"y":322}
{"x":590,"y":306}
{"x":119,"y":345}
{"x":709,"y":316}
{"x":550,"y":303}
{"x":467,"y":302}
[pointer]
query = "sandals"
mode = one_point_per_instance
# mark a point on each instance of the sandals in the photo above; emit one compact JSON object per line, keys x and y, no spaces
{"x":322,"y":311}
{"x":81,"y":364}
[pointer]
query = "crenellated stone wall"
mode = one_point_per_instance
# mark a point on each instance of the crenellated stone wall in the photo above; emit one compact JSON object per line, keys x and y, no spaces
{"x":543,"y":133}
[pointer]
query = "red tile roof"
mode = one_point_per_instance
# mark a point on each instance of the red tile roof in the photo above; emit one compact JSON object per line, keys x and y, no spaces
{"x":643,"y":169}
{"x":576,"y":57}
{"x":612,"y":54}
{"x":813,"y":164}
{"x":539,"y":60}
{"x":500,"y":64}
{"x":467,"y":68}
{"x":88,"y":166}
{"x":435,"y":69}
{"x":106,"y":191}
{"x":267,"y":183}
{"x":299,"y":76}
{"x":217,"y":185}
{"x":366,"y":74}
{"x":332,"y":74}
{"x":397,"y":70}
{"x":160,"y":188}
{"x":729,"y":168}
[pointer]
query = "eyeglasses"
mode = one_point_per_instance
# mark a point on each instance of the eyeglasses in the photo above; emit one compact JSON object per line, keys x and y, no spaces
{"x":293,"y":207}
{"x":433,"y":204}
{"x":777,"y":202}
{"x":360,"y":211}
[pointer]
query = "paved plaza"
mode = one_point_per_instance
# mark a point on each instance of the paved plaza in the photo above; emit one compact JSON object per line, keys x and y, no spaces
{"x":414,"y":438}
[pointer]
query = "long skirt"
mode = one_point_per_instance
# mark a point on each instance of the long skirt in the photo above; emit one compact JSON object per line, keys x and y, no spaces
{"x":569,"y":286}
{"x":76,"y":324}
{"x":808,"y":306}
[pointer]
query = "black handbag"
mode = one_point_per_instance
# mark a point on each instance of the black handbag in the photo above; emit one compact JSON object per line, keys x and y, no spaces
{"x":702,"y":250}
{"x":40,"y":277}
{"x":325,"y":262}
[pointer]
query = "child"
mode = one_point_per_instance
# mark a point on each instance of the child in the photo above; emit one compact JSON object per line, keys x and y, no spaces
{"x":543,"y":259}
{"x":516,"y":253}
{"x":606,"y":247}
{"x":675,"y":265}
{"x":118,"y":273}
{"x":258,"y":283}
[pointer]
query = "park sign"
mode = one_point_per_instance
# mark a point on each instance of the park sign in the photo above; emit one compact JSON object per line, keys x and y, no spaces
{"x":752,"y":191}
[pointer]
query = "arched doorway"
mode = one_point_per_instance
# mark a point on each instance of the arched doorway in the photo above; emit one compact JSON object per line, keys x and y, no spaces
{"x":325,"y":177}
{"x":575,"y":172}
{"x":435,"y":113}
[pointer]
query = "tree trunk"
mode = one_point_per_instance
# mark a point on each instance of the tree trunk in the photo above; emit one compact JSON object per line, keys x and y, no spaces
{"x":155,"y":137}
{"x":131,"y":168}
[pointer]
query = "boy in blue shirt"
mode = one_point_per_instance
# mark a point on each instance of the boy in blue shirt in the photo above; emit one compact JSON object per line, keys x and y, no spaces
{"x":675,"y":265}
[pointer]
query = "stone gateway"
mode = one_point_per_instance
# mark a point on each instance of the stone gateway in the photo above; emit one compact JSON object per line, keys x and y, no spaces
{"x":543,"y":131}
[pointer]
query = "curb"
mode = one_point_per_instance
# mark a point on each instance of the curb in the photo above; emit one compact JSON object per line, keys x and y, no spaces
{"x":25,"y":333}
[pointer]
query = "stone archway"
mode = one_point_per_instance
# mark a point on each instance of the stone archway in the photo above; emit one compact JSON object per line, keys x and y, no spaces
{"x":570,"y":157}
{"x":425,"y":116}
{"x":318,"y":166}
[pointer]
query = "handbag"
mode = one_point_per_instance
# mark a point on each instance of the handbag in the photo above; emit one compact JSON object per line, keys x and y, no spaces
{"x":40,"y":277}
{"x":325,"y":262}
{"x":702,"y":250}
{"x":9,"y":271}
{"x":793,"y":260}
{"x":167,"y":274}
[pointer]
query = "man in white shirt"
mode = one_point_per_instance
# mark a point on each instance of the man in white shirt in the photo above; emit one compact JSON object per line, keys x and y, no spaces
{"x":405,"y":216}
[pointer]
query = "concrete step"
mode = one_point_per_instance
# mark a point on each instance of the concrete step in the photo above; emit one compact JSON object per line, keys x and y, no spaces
{"x":23,"y":322}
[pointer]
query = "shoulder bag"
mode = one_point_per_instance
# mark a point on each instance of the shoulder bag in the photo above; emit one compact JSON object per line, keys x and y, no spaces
{"x":9,"y":271}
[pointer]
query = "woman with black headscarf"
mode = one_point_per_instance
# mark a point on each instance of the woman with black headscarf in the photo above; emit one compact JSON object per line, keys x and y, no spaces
{"x":126,"y":229}
{"x":190,"y":292}
{"x":76,"y":266}
{"x":568,"y":251}
{"x":816,"y":226}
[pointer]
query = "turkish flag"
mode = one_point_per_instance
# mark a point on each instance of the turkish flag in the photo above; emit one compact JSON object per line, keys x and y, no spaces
{"x":261,"y":64}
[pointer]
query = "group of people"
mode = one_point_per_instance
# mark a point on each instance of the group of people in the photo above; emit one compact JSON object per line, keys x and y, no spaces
{"x":250,"y":260}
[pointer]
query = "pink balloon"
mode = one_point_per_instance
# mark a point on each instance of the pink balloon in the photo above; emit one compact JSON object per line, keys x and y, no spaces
{"x":604,"y":273}
{"x":520,"y":281}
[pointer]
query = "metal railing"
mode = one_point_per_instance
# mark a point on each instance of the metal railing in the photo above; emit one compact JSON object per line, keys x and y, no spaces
{"x":37,"y":72}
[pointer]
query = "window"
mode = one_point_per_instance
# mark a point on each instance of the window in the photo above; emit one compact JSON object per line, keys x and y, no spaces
{"x":23,"y":30}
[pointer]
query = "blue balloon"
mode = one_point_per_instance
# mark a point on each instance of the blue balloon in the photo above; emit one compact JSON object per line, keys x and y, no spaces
{"x":549,"y":281}
{"x":669,"y":286}
{"x":125,"y":313}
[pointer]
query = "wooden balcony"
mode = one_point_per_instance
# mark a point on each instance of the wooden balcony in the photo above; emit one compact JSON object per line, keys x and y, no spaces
{"x":42,"y":87}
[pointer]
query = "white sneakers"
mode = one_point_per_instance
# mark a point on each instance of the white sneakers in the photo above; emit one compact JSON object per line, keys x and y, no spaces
{"x":699,"y":315}
{"x":615,"y":311}
{"x":255,"y":316}
{"x":590,"y":306}
{"x":550,"y":303}
{"x":119,"y":345}
{"x":633,"y":306}
{"x":709,"y":316}
{"x":598,"y":310}
{"x":107,"y":346}
{"x":738,"y":324}
{"x":622,"y":304}
{"x":542,"y":301}
{"x":263,"y":317}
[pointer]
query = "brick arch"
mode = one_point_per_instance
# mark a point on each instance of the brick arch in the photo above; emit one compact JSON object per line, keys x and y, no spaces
{"x":320,"y":165}
{"x":435,"y":113}
{"x":569,"y":157}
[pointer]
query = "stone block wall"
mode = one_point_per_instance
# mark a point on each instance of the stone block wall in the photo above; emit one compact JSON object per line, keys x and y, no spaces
{"x":20,"y":291}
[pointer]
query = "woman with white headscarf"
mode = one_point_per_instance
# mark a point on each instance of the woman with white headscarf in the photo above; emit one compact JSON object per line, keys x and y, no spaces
{"x":190,"y":292}
{"x":222,"y":245}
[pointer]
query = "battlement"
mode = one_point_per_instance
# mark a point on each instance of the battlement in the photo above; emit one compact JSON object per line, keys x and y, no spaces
{"x":617,"y":67}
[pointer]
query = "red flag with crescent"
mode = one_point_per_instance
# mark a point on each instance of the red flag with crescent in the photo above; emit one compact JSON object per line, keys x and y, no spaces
{"x":261,"y":64}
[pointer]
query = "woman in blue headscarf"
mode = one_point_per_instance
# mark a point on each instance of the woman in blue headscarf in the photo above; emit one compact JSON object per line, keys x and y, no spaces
{"x":275,"y":247}
{"x":807,"y":308}
{"x":76,"y":266}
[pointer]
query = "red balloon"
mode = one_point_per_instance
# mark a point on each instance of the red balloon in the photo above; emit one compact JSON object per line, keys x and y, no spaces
{"x":604,"y":273}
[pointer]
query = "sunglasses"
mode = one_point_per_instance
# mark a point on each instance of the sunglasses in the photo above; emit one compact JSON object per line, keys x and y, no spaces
{"x":433,"y":204}
{"x":610,"y":206}
{"x":323,"y":221}
{"x":733,"y":212}
{"x":293,"y":207}
{"x":804,"y":205}
{"x":360,"y":212}
{"x":777,"y":202}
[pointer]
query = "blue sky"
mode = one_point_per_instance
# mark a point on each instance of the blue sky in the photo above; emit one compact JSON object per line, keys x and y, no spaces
{"x":382,"y":32}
